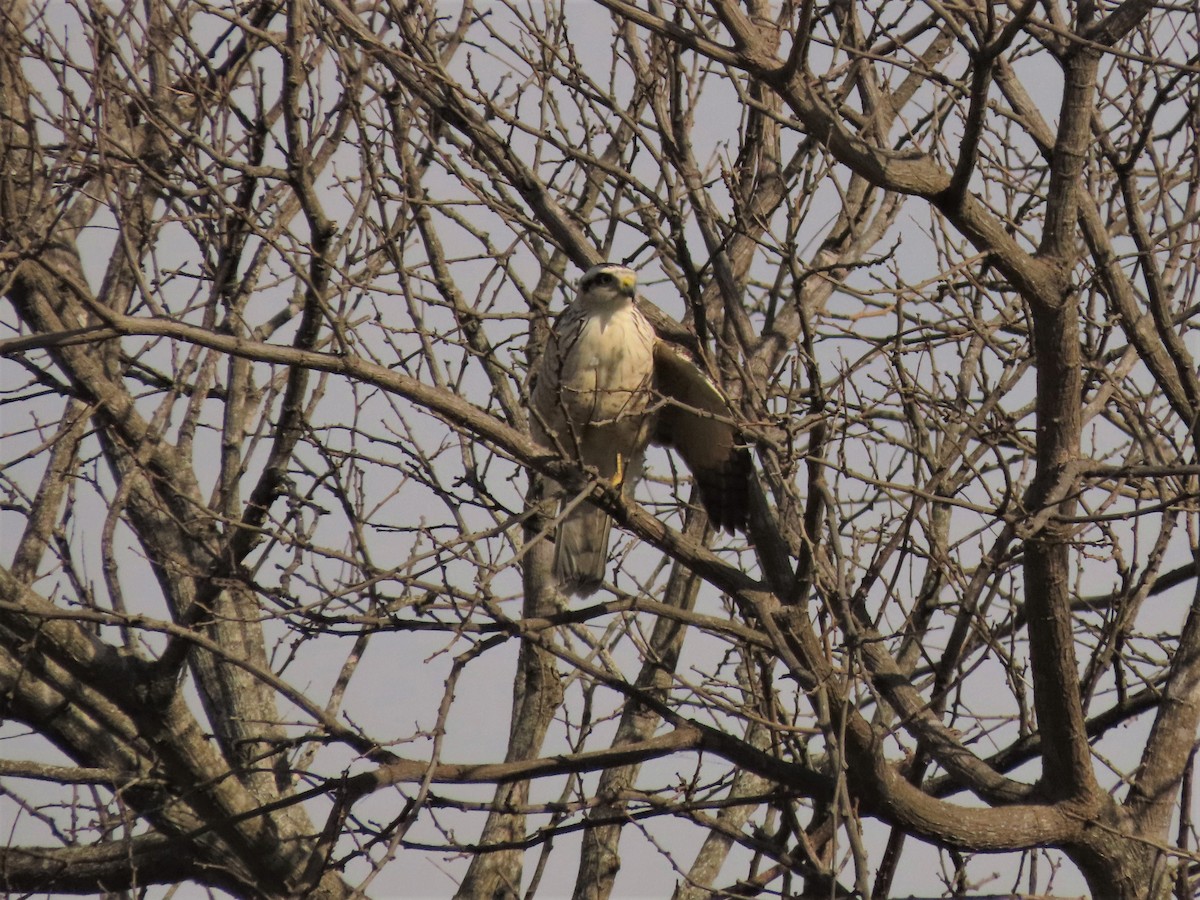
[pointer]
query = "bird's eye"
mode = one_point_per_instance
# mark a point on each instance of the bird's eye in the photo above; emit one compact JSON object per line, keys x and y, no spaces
{"x":603,"y":278}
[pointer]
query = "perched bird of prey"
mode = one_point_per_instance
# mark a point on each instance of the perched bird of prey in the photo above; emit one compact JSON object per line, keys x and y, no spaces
{"x":607,"y":387}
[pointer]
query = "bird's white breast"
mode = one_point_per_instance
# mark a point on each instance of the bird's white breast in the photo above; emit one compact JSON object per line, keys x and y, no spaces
{"x":610,"y":365}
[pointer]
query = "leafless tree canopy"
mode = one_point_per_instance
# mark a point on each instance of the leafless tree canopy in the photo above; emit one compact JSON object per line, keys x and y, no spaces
{"x":276,"y":565}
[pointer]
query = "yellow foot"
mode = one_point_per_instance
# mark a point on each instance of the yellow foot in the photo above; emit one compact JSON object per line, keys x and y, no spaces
{"x":619,"y":477}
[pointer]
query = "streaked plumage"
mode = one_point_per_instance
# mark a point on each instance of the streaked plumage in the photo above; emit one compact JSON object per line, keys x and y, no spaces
{"x":605,"y":388}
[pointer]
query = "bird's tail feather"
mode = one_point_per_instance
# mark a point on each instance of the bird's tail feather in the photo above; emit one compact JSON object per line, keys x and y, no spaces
{"x":581,"y":549}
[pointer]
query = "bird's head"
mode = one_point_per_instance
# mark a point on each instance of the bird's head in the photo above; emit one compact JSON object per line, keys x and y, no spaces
{"x":608,"y":283}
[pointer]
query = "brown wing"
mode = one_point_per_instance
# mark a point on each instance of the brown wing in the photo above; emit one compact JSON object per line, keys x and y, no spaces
{"x":709,"y":446}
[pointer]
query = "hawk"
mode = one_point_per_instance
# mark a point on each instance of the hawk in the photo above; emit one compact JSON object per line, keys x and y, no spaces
{"x":606,"y":387}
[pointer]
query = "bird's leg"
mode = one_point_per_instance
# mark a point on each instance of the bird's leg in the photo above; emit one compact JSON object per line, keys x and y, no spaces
{"x":619,"y":476}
